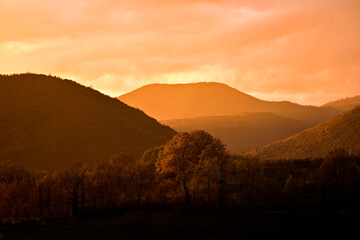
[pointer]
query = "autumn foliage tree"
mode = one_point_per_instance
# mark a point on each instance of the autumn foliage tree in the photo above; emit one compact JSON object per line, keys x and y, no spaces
{"x":194,"y":162}
{"x":17,"y":193}
{"x":44,"y":184}
{"x":144,"y":175}
{"x":110,"y":182}
{"x":74,"y":183}
{"x":339,"y":177}
{"x":147,"y":164}
{"x":192,"y":169}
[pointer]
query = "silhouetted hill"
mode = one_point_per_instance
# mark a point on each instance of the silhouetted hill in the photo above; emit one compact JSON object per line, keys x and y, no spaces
{"x":177,"y":101}
{"x":242,"y":133}
{"x":344,"y":104}
{"x":47,"y":123}
{"x":340,"y":131}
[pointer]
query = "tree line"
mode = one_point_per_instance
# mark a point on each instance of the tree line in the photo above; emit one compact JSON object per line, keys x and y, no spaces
{"x":192,"y":170}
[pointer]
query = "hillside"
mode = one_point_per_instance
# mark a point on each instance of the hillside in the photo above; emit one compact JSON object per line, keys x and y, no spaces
{"x":340,"y":131}
{"x":242,"y":133}
{"x":177,"y":101}
{"x":344,"y":104}
{"x":47,"y":123}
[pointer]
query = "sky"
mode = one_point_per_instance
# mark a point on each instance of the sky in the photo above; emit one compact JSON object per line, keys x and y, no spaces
{"x":305,"y":51}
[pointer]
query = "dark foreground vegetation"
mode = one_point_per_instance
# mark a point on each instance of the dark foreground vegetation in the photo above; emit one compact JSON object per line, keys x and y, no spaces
{"x":197,"y":225}
{"x":188,"y":189}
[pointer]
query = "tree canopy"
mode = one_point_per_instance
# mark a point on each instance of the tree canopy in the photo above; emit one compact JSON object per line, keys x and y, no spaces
{"x":195,"y":162}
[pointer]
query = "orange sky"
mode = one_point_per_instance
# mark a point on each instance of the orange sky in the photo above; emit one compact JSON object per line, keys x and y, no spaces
{"x":307,"y":51}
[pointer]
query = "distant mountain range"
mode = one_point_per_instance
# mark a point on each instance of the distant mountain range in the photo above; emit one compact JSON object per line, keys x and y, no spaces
{"x":340,"y":131}
{"x":344,"y":104}
{"x":242,"y":133}
{"x":179,"y":101}
{"x":47,"y":123}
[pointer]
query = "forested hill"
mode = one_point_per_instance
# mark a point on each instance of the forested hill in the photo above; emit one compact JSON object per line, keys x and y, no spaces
{"x":48,"y":123}
{"x":244,"y":132}
{"x":344,"y":104}
{"x":342,"y":131}
{"x":178,"y":101}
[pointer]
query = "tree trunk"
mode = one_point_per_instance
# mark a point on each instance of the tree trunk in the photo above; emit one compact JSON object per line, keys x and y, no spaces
{"x":187,"y":195}
{"x":40,"y":203}
{"x":82,"y":203}
{"x":208,"y":191}
{"x":49,"y":204}
{"x":74,"y":203}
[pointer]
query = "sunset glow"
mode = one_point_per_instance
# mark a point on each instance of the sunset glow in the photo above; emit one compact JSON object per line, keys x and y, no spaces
{"x":303,"y":51}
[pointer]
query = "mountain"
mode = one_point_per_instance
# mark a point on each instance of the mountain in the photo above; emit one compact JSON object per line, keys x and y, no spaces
{"x":47,"y":123}
{"x":242,"y":133}
{"x":344,"y":104}
{"x":340,"y":131}
{"x":177,"y":101}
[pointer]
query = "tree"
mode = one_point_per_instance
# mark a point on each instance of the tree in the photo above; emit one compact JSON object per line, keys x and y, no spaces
{"x":120,"y":169}
{"x":189,"y":158}
{"x":16,"y":192}
{"x":177,"y":161}
{"x":339,"y":176}
{"x":74,"y":183}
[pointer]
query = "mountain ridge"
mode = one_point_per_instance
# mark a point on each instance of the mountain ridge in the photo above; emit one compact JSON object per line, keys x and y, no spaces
{"x":344,"y":104}
{"x":342,"y":131}
{"x":177,"y":101}
{"x":45,"y":117}
{"x":243,"y":132}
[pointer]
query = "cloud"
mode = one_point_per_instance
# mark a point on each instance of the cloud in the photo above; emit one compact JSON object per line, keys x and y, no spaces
{"x":300,"y":49}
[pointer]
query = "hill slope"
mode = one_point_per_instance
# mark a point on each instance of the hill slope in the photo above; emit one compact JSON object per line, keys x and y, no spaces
{"x":340,"y":131}
{"x":176,"y":101}
{"x":344,"y":104}
{"x":242,"y":133}
{"x":47,"y":123}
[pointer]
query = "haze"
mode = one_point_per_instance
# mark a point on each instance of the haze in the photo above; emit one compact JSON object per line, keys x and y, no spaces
{"x":303,"y":51}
